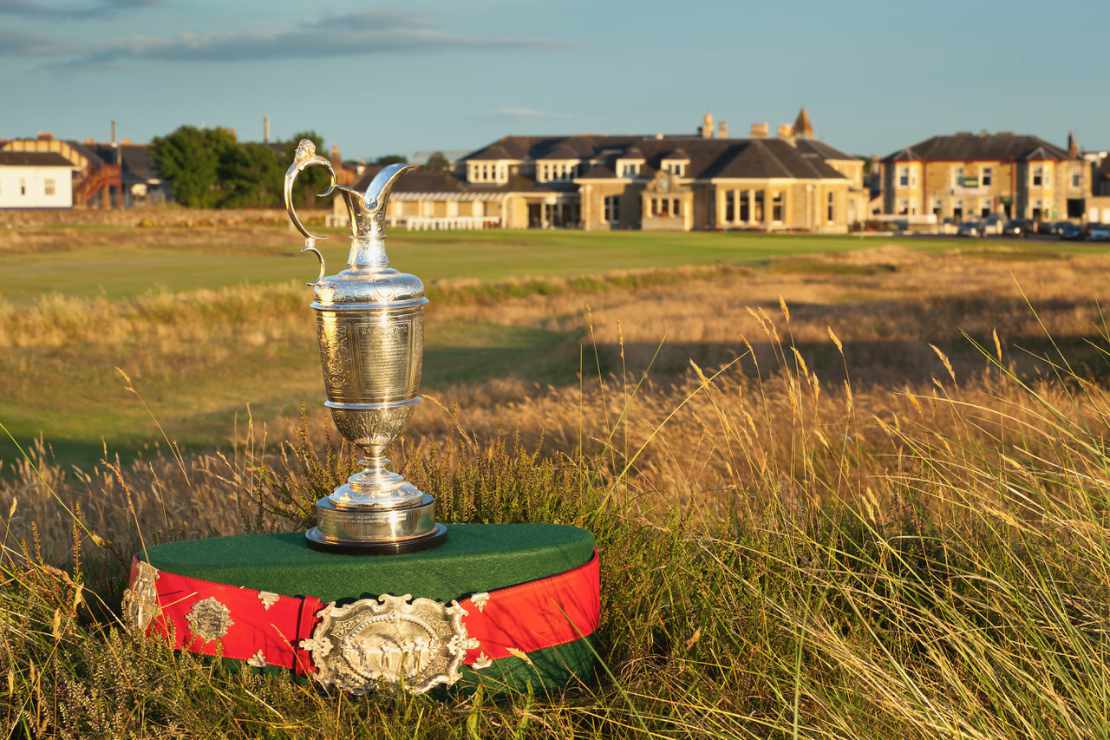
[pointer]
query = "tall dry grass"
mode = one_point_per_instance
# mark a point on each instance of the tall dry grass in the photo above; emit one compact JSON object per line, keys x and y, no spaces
{"x":787,"y":551}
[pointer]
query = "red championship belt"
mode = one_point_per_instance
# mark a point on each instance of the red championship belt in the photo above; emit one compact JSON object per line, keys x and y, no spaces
{"x":418,"y":642}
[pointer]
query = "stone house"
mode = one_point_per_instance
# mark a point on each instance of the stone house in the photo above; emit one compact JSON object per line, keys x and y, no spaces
{"x":969,"y":176}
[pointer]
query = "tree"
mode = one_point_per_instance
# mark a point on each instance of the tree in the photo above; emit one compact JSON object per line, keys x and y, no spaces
{"x":250,"y":177}
{"x":437,"y":163}
{"x":390,"y":159}
{"x":189,"y":159}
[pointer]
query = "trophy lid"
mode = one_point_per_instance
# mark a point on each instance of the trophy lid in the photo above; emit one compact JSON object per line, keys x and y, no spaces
{"x":368,"y":281}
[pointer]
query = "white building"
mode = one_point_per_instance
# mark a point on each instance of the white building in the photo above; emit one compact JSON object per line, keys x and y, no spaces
{"x":35,"y":180}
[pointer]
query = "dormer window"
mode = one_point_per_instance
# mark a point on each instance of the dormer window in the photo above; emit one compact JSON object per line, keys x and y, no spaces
{"x":550,"y":171}
{"x":1038,"y":176}
{"x":487,"y":172}
{"x":630,"y":162}
{"x":675,"y":162}
{"x":629,"y":167}
{"x":676,"y":167}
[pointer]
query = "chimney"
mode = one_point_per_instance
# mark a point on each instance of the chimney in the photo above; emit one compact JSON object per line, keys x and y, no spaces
{"x":707,"y":126}
{"x":760,"y":130}
{"x":44,"y":136}
{"x":265,"y":128}
{"x":803,"y":127}
{"x":786,"y":133}
{"x":722,"y":130}
{"x":115,"y":145}
{"x":1073,"y":145}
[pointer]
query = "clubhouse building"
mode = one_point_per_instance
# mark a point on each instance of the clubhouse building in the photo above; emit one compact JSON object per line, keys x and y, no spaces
{"x":681,"y":182}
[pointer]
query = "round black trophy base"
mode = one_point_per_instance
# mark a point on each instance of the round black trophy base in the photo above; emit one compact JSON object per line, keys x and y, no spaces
{"x":435,"y":538}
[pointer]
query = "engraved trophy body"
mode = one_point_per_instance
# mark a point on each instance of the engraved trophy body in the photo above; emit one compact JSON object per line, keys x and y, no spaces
{"x":370,"y":328}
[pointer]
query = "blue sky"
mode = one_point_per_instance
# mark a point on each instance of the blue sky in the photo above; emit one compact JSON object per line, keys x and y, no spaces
{"x":405,"y":75}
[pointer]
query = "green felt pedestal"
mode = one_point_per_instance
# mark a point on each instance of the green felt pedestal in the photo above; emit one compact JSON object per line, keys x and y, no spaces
{"x":474,"y":558}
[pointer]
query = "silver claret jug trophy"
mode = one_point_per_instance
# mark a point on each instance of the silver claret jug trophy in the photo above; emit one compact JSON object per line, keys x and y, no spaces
{"x":370,"y":327}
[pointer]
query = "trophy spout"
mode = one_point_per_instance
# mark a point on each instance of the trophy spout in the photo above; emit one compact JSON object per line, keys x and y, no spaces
{"x":368,"y":213}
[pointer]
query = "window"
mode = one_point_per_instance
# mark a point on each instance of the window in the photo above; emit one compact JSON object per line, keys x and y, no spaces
{"x":1038,"y":176}
{"x":22,"y":186}
{"x":675,"y":168}
{"x":831,"y":207}
{"x":485,"y":172}
{"x":758,"y":206}
{"x":48,"y":186}
{"x":938,"y":208}
{"x":745,"y":206}
{"x":957,"y":177}
{"x":776,"y":207}
{"x":630,"y":169}
{"x":1077,"y":179}
{"x":986,"y":208}
{"x":903,"y":177}
{"x":903,"y":207}
{"x":986,"y":176}
{"x":676,"y":207}
{"x":958,"y":210}
{"x":612,"y":208}
{"x":730,"y":206}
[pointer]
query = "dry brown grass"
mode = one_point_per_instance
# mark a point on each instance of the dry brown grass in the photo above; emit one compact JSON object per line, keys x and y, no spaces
{"x":643,"y":351}
{"x":813,"y":523}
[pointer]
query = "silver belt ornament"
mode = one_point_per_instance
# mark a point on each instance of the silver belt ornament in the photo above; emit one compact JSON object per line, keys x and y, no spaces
{"x":415,"y":643}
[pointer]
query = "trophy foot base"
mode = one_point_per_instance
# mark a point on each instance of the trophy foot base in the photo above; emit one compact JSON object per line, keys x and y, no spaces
{"x":318,"y":541}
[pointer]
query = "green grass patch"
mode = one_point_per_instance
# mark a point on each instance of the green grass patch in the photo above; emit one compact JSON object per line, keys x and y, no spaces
{"x":128,"y":268}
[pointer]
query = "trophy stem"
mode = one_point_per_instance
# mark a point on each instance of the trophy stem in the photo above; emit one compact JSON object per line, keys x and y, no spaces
{"x":374,"y":466}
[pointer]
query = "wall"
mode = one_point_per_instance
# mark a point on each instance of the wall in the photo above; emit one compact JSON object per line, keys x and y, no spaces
{"x":1098,"y":209}
{"x":593,"y":196}
{"x":34,"y":179}
{"x":850,"y":168}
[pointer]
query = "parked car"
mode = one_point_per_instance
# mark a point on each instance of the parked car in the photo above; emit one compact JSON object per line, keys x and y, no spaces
{"x":1016,"y":227}
{"x":970,"y":228}
{"x":1099,"y":233}
{"x":1046,"y":228}
{"x":1069,"y":231}
{"x":991,"y":225}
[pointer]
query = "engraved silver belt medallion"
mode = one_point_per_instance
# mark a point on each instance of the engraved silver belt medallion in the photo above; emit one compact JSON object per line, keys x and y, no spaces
{"x":416,"y":643}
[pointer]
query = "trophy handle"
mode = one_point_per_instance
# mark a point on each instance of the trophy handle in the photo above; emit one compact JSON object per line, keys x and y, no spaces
{"x":304,"y":157}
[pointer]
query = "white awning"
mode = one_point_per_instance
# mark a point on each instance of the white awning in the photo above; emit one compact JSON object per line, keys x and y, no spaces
{"x":449,"y":196}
